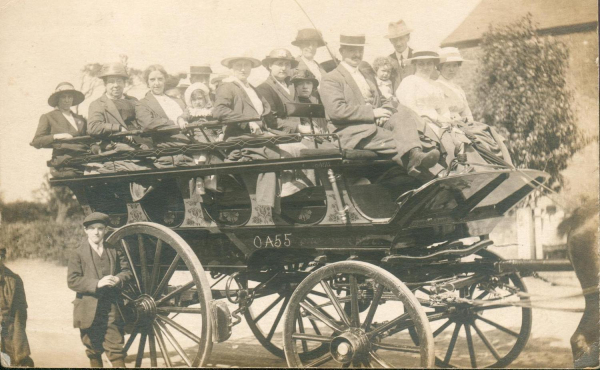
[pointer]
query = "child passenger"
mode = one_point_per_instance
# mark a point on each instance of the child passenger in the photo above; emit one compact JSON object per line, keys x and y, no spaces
{"x":384,"y":70}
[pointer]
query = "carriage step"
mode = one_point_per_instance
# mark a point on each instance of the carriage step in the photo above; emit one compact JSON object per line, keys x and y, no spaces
{"x":221,"y":321}
{"x":346,"y":153}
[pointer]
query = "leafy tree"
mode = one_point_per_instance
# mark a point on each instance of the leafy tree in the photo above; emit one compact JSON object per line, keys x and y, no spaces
{"x":522,"y":89}
{"x":60,"y":200}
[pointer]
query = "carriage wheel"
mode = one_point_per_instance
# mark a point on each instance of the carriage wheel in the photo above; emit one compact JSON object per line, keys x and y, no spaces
{"x":376,"y":337}
{"x":267,"y":323}
{"x":167,"y":310}
{"x":482,"y":338}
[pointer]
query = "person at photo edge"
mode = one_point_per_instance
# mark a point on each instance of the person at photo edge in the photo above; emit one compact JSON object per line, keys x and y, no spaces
{"x":96,"y":272}
{"x":13,"y":313}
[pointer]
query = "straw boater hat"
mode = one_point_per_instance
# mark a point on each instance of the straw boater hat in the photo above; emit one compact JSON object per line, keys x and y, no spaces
{"x":353,"y":40}
{"x":62,"y":87}
{"x":397,"y":29}
{"x":279,"y":54}
{"x":113,"y":69}
{"x":309,"y":34}
{"x":304,"y":75}
{"x":203,"y":69}
{"x":424,"y":54}
{"x":227,"y":61}
{"x":449,"y":55}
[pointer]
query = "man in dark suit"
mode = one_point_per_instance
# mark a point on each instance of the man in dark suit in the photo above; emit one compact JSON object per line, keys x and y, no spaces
{"x":97,"y":272}
{"x":399,"y":36}
{"x":363,"y":119}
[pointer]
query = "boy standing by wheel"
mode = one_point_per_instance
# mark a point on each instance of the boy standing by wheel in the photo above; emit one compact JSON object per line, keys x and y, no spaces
{"x":97,"y":272}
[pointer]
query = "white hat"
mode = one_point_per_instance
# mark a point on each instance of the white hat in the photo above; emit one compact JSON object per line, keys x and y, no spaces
{"x":423,"y":54}
{"x":449,"y":55}
{"x":193,"y":87}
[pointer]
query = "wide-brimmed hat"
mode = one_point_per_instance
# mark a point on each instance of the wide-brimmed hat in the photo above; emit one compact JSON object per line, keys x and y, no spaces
{"x":113,"y":69}
{"x":203,"y":69}
{"x":279,"y":54}
{"x":353,"y":40}
{"x":309,"y":34}
{"x":227,"y":61}
{"x":449,"y":55}
{"x":304,"y":75}
{"x":62,"y":87}
{"x":193,"y":87}
{"x":397,"y":29}
{"x":423,"y":55}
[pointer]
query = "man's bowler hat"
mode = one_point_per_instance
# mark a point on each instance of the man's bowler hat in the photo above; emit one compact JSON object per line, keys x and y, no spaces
{"x":113,"y":69}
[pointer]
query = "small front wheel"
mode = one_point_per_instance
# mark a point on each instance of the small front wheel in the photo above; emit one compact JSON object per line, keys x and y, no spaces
{"x":377,"y":336}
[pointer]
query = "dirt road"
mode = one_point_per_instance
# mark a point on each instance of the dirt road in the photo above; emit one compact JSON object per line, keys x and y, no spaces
{"x":55,"y":343}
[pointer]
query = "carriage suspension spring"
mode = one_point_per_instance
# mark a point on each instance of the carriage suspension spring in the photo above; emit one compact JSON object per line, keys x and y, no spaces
{"x":242,"y":297}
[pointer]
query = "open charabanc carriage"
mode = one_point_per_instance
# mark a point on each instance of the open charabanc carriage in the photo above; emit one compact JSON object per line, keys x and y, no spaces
{"x":388,"y":272}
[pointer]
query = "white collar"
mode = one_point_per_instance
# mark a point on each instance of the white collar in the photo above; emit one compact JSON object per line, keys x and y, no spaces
{"x":122,"y":96}
{"x":348,"y":67}
{"x":404,"y":54}
{"x":97,"y":247}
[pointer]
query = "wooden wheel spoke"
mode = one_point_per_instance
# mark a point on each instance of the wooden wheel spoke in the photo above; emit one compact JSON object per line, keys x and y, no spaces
{"x":321,"y":360}
{"x":452,"y":344}
{"x":354,"y":314}
{"x":375,"y":357}
{"x":497,"y":326}
{"x":374,"y":305}
{"x":141,"y":347}
{"x":485,"y":341}
{"x":335,"y":302}
{"x":314,"y":325}
{"x":165,"y":280}
{"x":134,"y":334}
{"x":319,"y":314}
{"x":301,"y":330}
{"x":179,"y":328}
{"x":176,"y":292}
{"x":387,"y":325}
{"x":278,"y":318}
{"x":311,"y":338}
{"x":130,"y":260}
{"x":397,"y":348}
{"x":152,"y":345}
{"x":439,"y":330}
{"x":471,"y":347}
{"x":174,"y":343}
{"x":161,"y":345}
{"x":155,"y":266}
{"x":269,"y":308}
{"x":143,"y":263}
{"x":318,"y":294}
{"x":126,"y":296}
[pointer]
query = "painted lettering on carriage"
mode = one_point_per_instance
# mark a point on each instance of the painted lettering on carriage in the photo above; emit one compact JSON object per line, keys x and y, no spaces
{"x":273,"y":241}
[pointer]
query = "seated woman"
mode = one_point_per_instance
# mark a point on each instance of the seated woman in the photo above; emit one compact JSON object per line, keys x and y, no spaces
{"x":157,"y":110}
{"x":458,"y":106}
{"x":237,"y":100}
{"x":421,"y":94}
{"x":61,"y":123}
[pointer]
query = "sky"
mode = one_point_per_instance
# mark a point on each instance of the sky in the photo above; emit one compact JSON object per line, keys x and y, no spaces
{"x":44,"y":42}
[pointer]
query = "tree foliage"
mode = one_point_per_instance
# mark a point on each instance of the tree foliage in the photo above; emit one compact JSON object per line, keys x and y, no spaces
{"x":60,"y":201}
{"x":522,"y":89}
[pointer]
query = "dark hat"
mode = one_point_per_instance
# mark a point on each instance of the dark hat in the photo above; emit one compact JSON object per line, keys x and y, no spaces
{"x":62,"y":87}
{"x":113,"y":69}
{"x":279,"y":54}
{"x":309,"y":34}
{"x":304,"y":75}
{"x":96,"y":217}
{"x":353,"y":40}
{"x":203,"y":69}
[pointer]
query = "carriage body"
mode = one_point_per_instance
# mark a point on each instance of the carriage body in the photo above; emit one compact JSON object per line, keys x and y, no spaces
{"x":365,"y":225}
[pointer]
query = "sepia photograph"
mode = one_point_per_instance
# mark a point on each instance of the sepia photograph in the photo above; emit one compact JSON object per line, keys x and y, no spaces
{"x":299,"y":183}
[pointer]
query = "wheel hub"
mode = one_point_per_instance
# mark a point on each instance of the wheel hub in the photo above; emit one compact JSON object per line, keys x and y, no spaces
{"x":145,"y":308}
{"x":350,"y":345}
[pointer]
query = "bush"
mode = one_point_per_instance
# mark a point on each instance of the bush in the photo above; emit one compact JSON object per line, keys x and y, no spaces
{"x":522,"y":89}
{"x":45,"y":239}
{"x":22,"y":211}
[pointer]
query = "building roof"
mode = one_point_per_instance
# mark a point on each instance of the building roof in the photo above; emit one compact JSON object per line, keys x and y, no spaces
{"x":552,"y":16}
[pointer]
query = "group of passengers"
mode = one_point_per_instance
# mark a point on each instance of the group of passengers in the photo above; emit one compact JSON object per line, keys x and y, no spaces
{"x":406,"y":107}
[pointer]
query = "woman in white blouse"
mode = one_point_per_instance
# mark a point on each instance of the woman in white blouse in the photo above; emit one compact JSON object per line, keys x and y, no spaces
{"x":456,"y":100}
{"x":157,"y":110}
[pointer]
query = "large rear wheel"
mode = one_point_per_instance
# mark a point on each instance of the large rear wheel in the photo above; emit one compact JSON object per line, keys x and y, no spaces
{"x":167,"y":302}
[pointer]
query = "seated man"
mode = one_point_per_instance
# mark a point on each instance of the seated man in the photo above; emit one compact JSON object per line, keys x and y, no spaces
{"x":363,"y":119}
